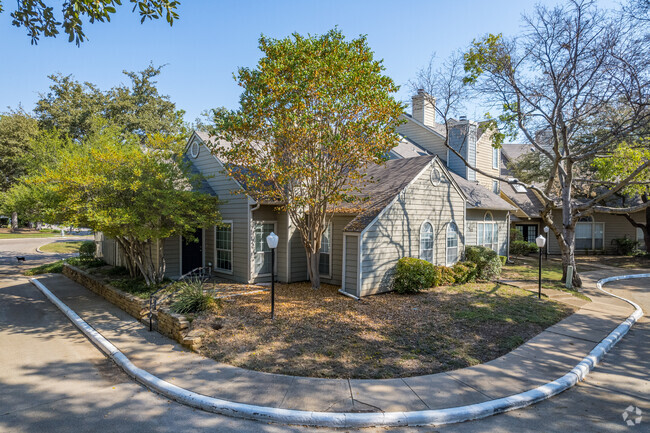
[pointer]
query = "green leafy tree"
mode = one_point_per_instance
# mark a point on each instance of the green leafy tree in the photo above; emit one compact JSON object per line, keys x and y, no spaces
{"x":573,"y":86}
{"x":39,"y":18}
{"x":73,"y":108}
{"x":620,"y":164}
{"x":17,"y":130}
{"x":314,"y":113}
{"x":136,"y":196}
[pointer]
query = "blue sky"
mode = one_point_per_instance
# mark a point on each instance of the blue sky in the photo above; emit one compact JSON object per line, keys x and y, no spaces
{"x":213,"y":38}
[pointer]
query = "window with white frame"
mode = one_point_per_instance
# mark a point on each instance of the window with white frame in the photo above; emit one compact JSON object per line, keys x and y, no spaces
{"x":325,"y":251}
{"x":426,"y":242}
{"x":640,"y":238}
{"x":452,"y":243}
{"x":488,"y":232}
{"x":262,"y":250}
{"x":589,"y":234}
{"x":223,"y":247}
{"x":495,"y":186}
{"x":495,"y":157}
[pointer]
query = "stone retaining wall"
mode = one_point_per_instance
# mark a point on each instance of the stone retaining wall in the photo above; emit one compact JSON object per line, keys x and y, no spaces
{"x":172,"y":325}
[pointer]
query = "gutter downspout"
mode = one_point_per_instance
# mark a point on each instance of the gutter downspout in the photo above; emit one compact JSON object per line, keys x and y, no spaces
{"x":343,"y":292}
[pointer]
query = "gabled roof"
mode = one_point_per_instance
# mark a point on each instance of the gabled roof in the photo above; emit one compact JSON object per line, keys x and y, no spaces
{"x":479,"y":197}
{"x":379,"y":187}
{"x":526,"y":201}
{"x":407,"y":148}
{"x":437,"y":128}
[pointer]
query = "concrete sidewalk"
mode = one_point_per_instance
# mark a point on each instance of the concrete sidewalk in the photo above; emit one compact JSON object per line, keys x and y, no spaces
{"x":542,"y":359}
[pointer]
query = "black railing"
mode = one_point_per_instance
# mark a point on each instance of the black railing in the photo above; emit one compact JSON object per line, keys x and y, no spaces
{"x":166,"y":291}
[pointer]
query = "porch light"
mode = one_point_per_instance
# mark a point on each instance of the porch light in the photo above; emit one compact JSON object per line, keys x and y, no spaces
{"x":541,"y":241}
{"x":272,"y":241}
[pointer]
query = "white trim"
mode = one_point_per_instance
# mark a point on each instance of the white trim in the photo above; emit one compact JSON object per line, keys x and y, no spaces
{"x":249,"y":237}
{"x":288,"y":248}
{"x":203,"y":248}
{"x":447,"y":263}
{"x":232,"y":248}
{"x":359,"y":264}
{"x":327,"y":276}
{"x":343,"y":264}
{"x":433,"y":245}
{"x":275,"y":229}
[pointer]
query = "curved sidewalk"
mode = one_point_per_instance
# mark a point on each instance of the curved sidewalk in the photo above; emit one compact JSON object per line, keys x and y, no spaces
{"x":543,"y":359}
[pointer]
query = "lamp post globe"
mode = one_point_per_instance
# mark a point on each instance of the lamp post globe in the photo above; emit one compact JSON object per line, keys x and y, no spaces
{"x":272,"y":241}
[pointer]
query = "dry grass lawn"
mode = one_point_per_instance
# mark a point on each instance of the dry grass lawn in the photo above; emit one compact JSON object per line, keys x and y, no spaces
{"x":324,"y":334}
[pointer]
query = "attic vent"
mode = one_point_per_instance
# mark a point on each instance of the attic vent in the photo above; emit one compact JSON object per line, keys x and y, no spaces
{"x":194,"y":149}
{"x":463,"y":118}
{"x":436,"y":177}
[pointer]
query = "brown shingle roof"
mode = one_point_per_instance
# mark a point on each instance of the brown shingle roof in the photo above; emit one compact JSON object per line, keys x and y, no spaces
{"x":479,"y":197}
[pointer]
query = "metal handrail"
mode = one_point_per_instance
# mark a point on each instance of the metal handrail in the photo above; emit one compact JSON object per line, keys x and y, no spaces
{"x":154,"y":300}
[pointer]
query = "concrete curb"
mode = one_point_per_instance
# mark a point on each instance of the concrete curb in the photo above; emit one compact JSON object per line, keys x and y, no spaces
{"x":331,"y":419}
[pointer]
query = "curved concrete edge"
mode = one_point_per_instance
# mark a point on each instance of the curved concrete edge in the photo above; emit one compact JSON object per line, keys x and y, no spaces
{"x":348,"y":420}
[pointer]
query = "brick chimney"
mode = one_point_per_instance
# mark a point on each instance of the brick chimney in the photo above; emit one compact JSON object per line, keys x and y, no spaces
{"x":424,"y":108}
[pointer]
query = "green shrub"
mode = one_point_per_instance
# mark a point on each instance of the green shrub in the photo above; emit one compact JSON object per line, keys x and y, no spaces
{"x":516,"y":235}
{"x":414,"y":275}
{"x":446,"y":275}
{"x":87,"y":250}
{"x":625,"y":246}
{"x":464,"y":272}
{"x":191,"y":299}
{"x":522,"y":248}
{"x":488,"y":264}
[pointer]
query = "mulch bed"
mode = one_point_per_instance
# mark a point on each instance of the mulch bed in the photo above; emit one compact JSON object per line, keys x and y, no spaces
{"x":324,"y":334}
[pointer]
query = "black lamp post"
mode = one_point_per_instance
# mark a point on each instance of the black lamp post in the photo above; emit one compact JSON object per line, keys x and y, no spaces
{"x":272,"y":241}
{"x":541,"y":241}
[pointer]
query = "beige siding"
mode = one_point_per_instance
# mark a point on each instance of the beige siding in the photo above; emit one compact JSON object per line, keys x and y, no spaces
{"x":298,"y":257}
{"x":351,"y":264}
{"x":426,"y":138}
{"x":478,"y":215}
{"x":233,"y":207}
{"x":396,"y":233}
{"x":484,"y":160}
{"x":615,"y":227}
{"x":172,"y":255}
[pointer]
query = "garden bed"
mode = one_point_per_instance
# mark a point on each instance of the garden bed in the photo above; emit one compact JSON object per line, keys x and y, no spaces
{"x":323,"y":334}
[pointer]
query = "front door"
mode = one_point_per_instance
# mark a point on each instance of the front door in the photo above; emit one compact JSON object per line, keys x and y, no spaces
{"x":528,"y":231}
{"x":192,"y":252}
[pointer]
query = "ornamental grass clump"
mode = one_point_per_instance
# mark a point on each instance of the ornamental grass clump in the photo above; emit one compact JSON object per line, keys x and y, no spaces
{"x":191,"y":299}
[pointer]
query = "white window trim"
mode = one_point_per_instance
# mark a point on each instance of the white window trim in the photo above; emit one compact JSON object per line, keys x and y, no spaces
{"x":447,"y":263}
{"x":232,"y":255}
{"x":433,"y":246}
{"x":275,"y":268}
{"x":494,"y":246}
{"x":328,"y":275}
{"x":495,"y":158}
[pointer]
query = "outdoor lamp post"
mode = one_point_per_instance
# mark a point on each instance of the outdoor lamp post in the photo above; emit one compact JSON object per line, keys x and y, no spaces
{"x":272,"y":241}
{"x":546,"y":236}
{"x":541,"y":241}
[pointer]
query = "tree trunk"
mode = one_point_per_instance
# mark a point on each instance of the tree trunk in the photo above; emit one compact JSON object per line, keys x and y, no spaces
{"x":313,"y":260}
{"x":14,"y":221}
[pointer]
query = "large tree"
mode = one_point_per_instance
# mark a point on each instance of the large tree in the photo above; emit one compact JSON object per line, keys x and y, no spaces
{"x":17,"y":130}
{"x":137,"y":196}
{"x":573,"y":85}
{"x":39,"y":18}
{"x":314,"y":113}
{"x":72,"y":107}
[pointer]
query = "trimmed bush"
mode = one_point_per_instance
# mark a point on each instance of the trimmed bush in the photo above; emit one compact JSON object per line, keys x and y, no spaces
{"x":488,"y":264}
{"x":503,"y":259}
{"x":191,"y":299}
{"x":87,"y":250}
{"x":625,"y":246}
{"x":522,"y":248}
{"x":413,"y":275}
{"x":446,"y":275}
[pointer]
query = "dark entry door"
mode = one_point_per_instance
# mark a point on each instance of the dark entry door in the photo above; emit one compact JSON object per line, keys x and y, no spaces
{"x":192,"y":252}
{"x":528,"y":231}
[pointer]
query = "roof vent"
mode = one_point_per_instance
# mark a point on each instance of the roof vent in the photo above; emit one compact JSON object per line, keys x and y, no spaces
{"x":463,"y":118}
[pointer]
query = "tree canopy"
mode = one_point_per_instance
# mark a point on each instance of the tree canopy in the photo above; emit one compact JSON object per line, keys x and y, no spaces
{"x":112,"y":185}
{"x":315,"y":111}
{"x":573,"y":86}
{"x":39,"y":18}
